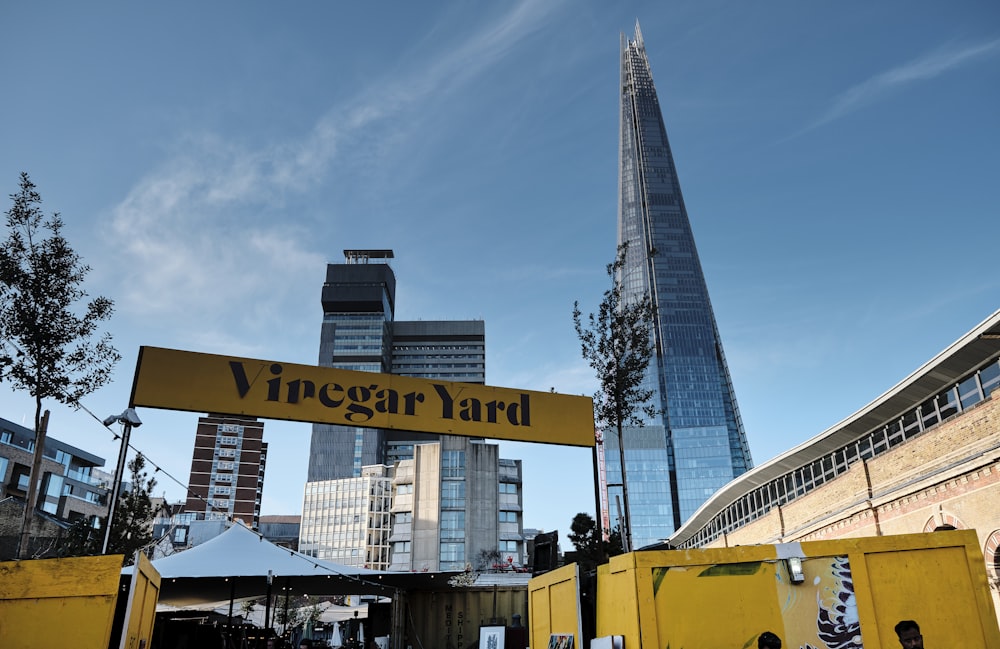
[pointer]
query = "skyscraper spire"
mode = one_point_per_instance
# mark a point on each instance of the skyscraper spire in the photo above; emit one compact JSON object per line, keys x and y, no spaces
{"x":697,"y":443}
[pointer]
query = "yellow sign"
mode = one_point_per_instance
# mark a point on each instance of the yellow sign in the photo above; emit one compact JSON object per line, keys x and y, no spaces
{"x":180,"y":380}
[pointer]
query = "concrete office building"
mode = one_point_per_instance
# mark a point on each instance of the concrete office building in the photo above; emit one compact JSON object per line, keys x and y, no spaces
{"x":456,"y":503}
{"x":697,"y":443}
{"x":347,"y":520}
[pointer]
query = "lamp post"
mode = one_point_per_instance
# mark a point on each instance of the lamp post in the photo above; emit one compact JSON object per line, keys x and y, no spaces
{"x":128,"y":420}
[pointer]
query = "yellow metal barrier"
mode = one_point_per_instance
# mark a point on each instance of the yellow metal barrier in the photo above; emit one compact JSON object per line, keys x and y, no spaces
{"x":841,"y":593}
{"x":47,"y":603}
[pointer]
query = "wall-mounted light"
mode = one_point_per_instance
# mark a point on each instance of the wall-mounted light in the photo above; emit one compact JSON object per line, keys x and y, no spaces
{"x":795,"y":569}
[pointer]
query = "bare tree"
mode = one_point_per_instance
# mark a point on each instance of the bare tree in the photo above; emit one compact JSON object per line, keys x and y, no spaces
{"x":47,"y":347}
{"x":617,"y":343}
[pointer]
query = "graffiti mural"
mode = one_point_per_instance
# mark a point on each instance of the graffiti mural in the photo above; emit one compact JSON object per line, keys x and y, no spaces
{"x":704,"y":606}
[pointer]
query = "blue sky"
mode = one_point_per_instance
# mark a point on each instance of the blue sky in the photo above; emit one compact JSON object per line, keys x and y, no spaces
{"x":839,"y":162}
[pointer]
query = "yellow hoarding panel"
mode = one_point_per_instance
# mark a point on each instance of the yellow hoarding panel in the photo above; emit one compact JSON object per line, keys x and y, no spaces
{"x":140,"y":613}
{"x":48,"y":603}
{"x":181,"y":380}
{"x":554,"y":605}
{"x":902,"y":590}
{"x":831,"y":594}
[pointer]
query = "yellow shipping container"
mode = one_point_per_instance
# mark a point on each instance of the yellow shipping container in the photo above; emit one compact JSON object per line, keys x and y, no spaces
{"x":48,"y":603}
{"x":840,"y":594}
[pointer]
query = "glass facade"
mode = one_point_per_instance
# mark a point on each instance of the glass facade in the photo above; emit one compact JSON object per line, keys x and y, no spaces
{"x":697,"y":443}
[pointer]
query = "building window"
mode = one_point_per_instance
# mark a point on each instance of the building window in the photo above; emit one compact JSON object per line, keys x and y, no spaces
{"x":453,"y":464}
{"x":403,"y":517}
{"x":401,"y":546}
{"x":452,"y":524}
{"x":508,"y":488}
{"x":404,"y":489}
{"x":452,"y":555}
{"x":452,"y":495}
{"x":508,"y":517}
{"x":508,"y":546}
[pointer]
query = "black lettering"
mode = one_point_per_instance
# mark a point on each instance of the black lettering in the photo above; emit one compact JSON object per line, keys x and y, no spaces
{"x":472,"y":410}
{"x":357,"y":412}
{"x":447,"y":403}
{"x":326,"y":399}
{"x":512,"y":411}
{"x":240,"y":376}
{"x":274,"y":385}
{"x":388,"y":401}
{"x":308,"y":390}
{"x":491,"y":410}
{"x":410,"y":402}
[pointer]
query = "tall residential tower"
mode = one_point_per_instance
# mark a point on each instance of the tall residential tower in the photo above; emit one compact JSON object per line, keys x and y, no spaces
{"x":697,"y":443}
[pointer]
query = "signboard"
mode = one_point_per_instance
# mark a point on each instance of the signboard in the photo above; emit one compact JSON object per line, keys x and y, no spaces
{"x":182,"y":380}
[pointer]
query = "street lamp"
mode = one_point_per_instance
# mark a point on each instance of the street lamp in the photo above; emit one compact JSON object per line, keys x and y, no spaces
{"x":128,"y":420}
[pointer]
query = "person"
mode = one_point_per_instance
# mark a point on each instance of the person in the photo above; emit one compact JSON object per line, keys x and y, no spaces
{"x":768,"y":640}
{"x":909,"y":636}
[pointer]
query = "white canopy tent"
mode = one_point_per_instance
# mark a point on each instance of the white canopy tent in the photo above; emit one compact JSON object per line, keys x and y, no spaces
{"x":237,"y":564}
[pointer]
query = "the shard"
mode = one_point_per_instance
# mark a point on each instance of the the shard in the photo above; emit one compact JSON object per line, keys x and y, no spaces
{"x":697,"y":443}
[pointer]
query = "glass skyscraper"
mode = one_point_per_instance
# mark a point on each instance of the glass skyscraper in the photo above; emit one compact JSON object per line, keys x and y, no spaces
{"x":697,"y":443}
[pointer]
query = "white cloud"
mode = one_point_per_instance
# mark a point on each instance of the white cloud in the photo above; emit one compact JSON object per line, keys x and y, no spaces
{"x":198,"y":229}
{"x":881,"y":85}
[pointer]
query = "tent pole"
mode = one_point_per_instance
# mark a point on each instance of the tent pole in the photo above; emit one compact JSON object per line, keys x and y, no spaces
{"x":232,"y":596}
{"x":267,"y":604}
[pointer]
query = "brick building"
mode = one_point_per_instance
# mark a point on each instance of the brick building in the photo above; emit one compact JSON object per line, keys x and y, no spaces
{"x":227,"y":469}
{"x":70,"y":487}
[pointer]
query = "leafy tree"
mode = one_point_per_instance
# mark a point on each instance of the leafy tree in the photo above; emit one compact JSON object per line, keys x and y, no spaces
{"x":617,"y":343}
{"x":591,"y":548}
{"x":311,"y":613}
{"x":131,"y":528}
{"x":46,"y":347}
{"x":287,"y":616}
